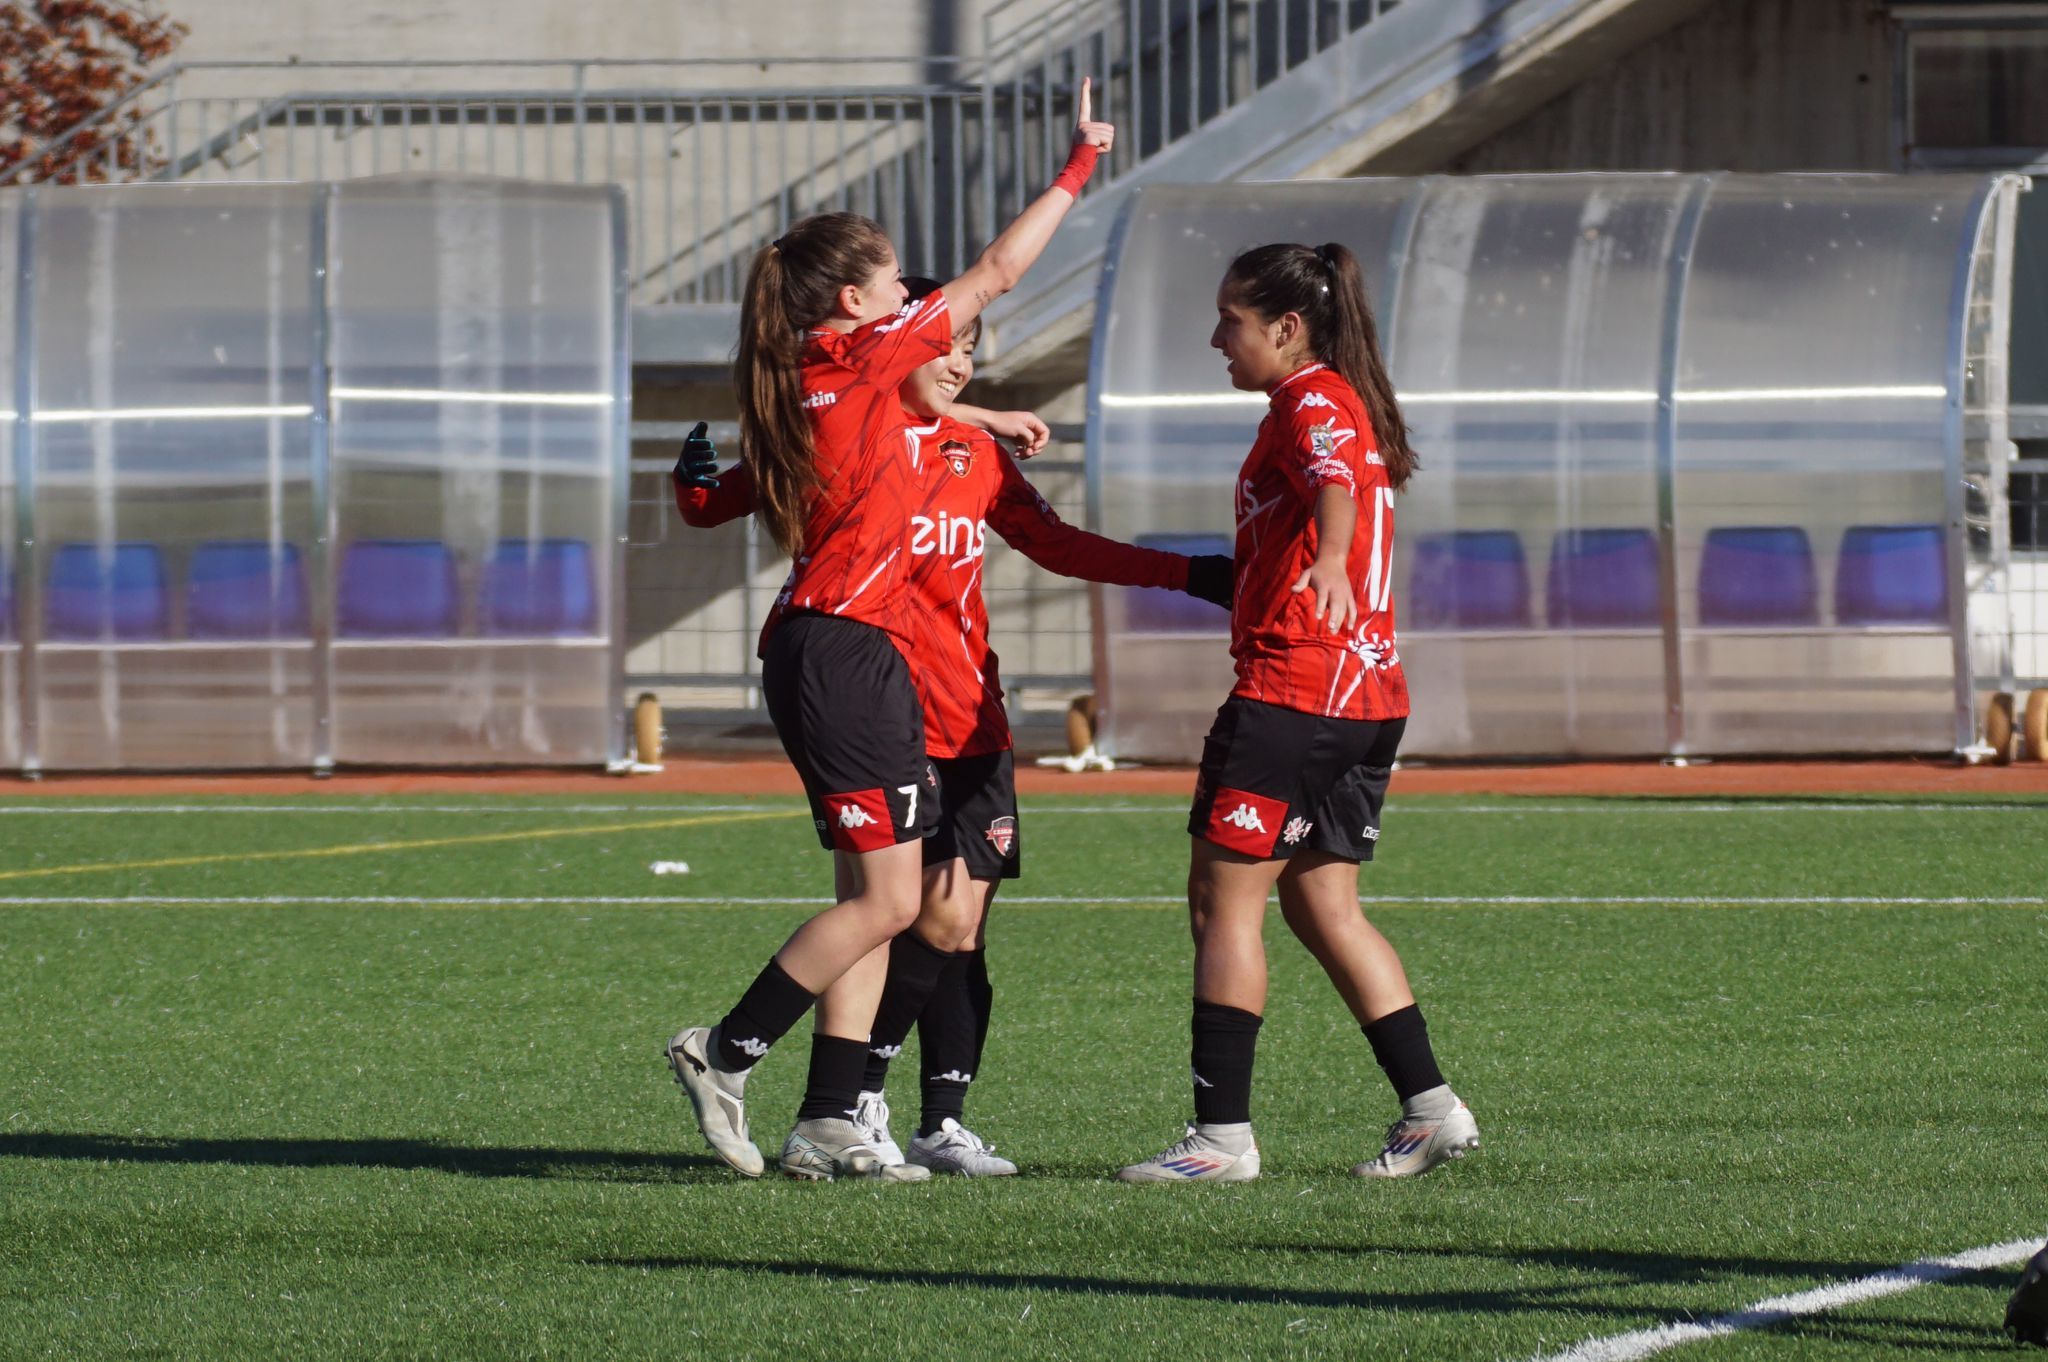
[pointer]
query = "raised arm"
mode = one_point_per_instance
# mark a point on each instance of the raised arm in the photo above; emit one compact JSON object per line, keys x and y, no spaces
{"x":1002,"y":264}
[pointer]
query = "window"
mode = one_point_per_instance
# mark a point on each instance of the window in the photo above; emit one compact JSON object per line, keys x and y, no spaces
{"x":1975,"y":86}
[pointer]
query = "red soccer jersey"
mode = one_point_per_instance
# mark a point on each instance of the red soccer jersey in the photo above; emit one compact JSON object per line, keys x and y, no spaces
{"x":1316,"y":434}
{"x":853,"y":560}
{"x":974,"y":486}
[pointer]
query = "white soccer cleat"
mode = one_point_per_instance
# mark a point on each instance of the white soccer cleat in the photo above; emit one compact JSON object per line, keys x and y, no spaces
{"x":718,"y":1097}
{"x":828,"y":1147}
{"x":953,"y":1148}
{"x":1416,"y":1144}
{"x":871,"y":1118}
{"x":1200,"y":1157}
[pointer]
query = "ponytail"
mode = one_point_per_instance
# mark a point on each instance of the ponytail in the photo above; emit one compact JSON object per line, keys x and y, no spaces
{"x":1324,"y":287}
{"x":775,"y":437}
{"x":1352,"y":348}
{"x":791,"y":286}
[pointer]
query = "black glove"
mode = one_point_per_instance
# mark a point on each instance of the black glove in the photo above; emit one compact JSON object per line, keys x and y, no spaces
{"x":697,"y":465}
{"x":2026,"y":1317}
{"x":1213,"y":578}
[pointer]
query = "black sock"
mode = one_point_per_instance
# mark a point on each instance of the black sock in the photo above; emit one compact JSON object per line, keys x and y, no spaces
{"x":981,"y":995}
{"x":914,"y":966}
{"x":834,"y":1085}
{"x":772,"y":1004}
{"x":1400,"y":1042}
{"x":948,"y":1040}
{"x":1225,"y":1038}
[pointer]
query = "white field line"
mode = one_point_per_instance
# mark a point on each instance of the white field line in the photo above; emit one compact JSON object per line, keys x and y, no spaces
{"x":1612,"y":805}
{"x":1779,"y":1309}
{"x":1016,"y":900}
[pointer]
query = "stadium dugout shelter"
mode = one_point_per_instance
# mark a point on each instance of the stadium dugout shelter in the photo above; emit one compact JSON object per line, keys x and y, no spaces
{"x":301,"y":474}
{"x":1710,"y":464}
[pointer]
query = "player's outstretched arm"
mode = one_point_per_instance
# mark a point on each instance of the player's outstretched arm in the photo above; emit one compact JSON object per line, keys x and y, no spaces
{"x":1002,"y":265}
{"x":704,"y":496}
{"x":1028,"y":524}
{"x":1021,"y":428}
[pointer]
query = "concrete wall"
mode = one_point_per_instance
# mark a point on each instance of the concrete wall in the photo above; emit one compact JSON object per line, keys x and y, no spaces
{"x":474,"y":30}
{"x":1755,"y":85}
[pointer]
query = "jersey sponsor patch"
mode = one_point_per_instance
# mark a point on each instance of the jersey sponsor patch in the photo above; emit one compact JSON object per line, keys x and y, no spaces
{"x":1245,"y":822}
{"x":860,"y":821}
{"x":1002,"y":834}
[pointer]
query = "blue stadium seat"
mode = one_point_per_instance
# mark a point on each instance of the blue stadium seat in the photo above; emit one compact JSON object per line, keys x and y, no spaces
{"x":1758,"y":575}
{"x":1892,"y":574}
{"x":1155,"y":610}
{"x":121,"y":595}
{"x":397,"y":588}
{"x":1469,"y":579}
{"x":1603,"y":579}
{"x":539,"y":586}
{"x":231,"y":592}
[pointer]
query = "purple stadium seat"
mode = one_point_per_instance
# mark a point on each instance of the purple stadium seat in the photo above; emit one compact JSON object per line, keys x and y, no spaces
{"x":1892,"y":574}
{"x":1469,"y":579}
{"x":119,"y":594}
{"x":1603,"y":579}
{"x":539,"y":586}
{"x":397,"y":588}
{"x":232,"y":592}
{"x":1758,"y":575}
{"x":1155,"y":610}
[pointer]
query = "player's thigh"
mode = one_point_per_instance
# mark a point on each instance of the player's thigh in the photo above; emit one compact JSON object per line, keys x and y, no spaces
{"x":978,"y":816}
{"x":1264,"y":770}
{"x":1347,"y":822}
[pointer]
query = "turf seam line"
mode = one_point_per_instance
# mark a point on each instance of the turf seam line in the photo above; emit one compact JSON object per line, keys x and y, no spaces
{"x":1643,"y":1343}
{"x":1609,"y":805}
{"x":372,"y":848}
{"x":1017,"y":900}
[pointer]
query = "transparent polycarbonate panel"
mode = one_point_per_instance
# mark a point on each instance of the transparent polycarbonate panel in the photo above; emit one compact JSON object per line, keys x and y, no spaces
{"x":10,"y":625}
{"x":1521,"y":320}
{"x":1813,"y":452}
{"x":1172,"y":432}
{"x":1526,"y":355}
{"x":172,"y":516}
{"x":474,"y":466}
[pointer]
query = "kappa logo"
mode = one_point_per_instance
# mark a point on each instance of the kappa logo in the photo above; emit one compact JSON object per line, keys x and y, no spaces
{"x":751,"y":1047}
{"x":1246,"y":817}
{"x":953,"y":1076}
{"x":885,"y":1051}
{"x":854,"y":816}
{"x":1311,"y":400}
{"x":1002,"y":834}
{"x":1296,"y":829}
{"x":817,"y":400}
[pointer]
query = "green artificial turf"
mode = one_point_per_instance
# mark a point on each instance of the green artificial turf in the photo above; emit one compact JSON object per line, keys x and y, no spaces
{"x":386,"y":1129}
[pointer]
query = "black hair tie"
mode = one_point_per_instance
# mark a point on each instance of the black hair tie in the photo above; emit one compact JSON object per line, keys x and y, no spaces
{"x":1329,"y":261}
{"x":781,"y":244}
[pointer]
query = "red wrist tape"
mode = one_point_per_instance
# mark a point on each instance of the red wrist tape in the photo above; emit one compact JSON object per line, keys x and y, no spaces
{"x":1080,"y":165}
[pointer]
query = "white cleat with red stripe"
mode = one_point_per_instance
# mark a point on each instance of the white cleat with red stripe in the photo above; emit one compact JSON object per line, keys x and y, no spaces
{"x":1416,"y":1144}
{"x":1201,"y":1157}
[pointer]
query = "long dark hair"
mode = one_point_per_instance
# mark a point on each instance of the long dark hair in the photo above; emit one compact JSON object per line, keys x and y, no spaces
{"x":791,"y":287}
{"x":1322,"y":284}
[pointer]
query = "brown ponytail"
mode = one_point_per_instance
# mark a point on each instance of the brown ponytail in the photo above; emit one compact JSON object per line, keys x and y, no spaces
{"x":791,"y":286}
{"x":1324,"y":287}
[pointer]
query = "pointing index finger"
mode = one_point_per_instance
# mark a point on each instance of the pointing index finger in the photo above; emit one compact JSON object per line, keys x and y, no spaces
{"x":1086,"y":110}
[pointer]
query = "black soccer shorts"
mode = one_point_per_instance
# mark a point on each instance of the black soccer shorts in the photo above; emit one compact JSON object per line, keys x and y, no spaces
{"x":843,"y":704}
{"x":978,"y":818}
{"x":1276,"y":781}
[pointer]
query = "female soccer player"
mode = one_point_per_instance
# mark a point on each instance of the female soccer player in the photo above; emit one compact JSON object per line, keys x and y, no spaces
{"x":826,"y":340}
{"x":1295,"y":768}
{"x":967,"y":734}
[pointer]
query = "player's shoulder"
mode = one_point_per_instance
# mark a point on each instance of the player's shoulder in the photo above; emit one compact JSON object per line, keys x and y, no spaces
{"x":1316,"y":397}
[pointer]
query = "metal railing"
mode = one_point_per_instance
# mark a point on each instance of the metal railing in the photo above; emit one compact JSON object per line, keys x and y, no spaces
{"x":719,"y":154}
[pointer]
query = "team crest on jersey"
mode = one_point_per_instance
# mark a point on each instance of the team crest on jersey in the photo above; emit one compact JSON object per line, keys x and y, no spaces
{"x":958,"y":457}
{"x":1002,"y":834}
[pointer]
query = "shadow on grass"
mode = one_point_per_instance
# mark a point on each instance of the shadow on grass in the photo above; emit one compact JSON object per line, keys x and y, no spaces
{"x":596,"y":1165}
{"x":1570,"y":1298}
